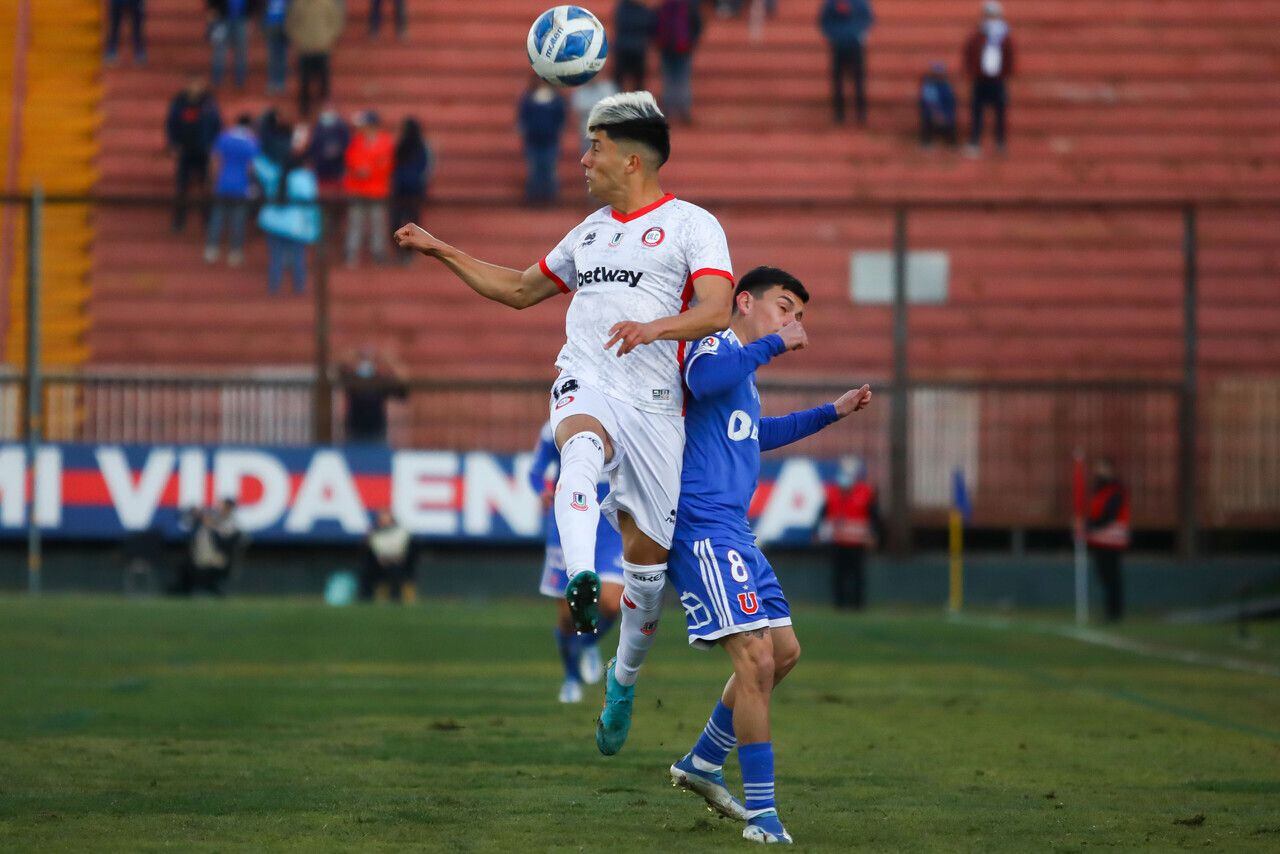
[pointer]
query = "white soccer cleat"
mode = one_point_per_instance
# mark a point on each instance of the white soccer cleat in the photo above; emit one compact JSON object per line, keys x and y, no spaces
{"x":766,"y":828}
{"x":571,"y":691}
{"x":710,"y":786}
{"x":590,"y":668}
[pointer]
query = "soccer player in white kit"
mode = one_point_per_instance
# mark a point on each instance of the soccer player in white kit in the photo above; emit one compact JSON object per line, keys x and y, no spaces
{"x":648,"y":273}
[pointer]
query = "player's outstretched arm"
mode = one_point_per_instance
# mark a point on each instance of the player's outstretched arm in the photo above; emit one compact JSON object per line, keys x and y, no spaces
{"x":710,"y":315}
{"x":777,"y":432}
{"x":500,"y":284}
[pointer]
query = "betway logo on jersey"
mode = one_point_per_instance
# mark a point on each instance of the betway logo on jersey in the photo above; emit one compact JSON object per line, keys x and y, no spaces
{"x":604,"y":274}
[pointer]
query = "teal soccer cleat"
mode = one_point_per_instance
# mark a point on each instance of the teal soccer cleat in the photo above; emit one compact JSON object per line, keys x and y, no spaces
{"x":710,"y":785}
{"x":615,"y":717}
{"x":766,"y":828}
{"x":583,"y":595}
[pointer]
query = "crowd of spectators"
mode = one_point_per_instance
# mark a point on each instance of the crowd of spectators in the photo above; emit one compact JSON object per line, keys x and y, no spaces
{"x":284,"y":171}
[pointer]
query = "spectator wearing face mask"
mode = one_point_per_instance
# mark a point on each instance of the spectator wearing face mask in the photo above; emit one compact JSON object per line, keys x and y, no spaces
{"x":851,"y":524}
{"x":370,"y":379}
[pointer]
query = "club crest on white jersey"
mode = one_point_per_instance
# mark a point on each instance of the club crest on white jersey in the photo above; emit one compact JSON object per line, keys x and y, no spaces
{"x":639,"y":267}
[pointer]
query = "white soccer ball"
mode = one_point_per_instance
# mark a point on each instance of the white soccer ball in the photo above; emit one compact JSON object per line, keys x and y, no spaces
{"x":567,"y":46}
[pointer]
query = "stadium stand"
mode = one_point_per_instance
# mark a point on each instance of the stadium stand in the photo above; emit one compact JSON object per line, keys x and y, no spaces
{"x":1116,"y":99}
{"x":49,"y":95}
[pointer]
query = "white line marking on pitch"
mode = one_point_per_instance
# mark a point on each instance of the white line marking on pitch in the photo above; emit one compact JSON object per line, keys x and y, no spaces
{"x":1101,"y":638}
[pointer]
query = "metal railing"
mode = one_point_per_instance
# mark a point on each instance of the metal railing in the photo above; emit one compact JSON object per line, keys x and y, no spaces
{"x":1194,"y":453}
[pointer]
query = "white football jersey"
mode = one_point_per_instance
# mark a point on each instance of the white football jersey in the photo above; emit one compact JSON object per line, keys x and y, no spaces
{"x":639,"y":267}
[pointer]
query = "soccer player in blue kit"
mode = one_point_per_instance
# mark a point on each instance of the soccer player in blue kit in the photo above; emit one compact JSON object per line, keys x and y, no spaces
{"x":579,"y":653}
{"x":730,"y":593}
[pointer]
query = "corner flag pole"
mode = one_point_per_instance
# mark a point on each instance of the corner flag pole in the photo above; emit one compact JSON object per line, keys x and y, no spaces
{"x":960,"y":511}
{"x":956,"y":600}
{"x":1081,"y":556}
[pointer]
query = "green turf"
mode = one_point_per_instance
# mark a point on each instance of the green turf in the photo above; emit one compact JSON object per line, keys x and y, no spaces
{"x":287,"y":725}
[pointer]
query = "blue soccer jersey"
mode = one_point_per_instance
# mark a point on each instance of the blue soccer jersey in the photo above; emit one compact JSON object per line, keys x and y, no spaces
{"x":608,"y":541}
{"x":725,"y":583}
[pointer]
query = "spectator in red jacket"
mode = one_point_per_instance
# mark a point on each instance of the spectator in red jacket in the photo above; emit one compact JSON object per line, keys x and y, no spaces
{"x":989,"y":63}
{"x":1107,"y":533}
{"x":851,"y":524}
{"x":370,"y":160}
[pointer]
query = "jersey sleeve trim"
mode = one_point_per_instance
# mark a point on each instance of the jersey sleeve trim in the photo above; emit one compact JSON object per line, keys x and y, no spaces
{"x":711,"y":271}
{"x":546,"y":271}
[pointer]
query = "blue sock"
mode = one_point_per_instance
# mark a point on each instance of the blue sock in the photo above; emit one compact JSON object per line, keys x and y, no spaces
{"x":757,"y":775}
{"x":602,"y":629}
{"x":569,"y":651}
{"x":717,"y":737}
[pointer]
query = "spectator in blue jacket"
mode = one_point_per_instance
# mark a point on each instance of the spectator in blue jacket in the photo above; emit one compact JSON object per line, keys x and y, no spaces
{"x":273,"y":18}
{"x":634,"y":24}
{"x":845,"y":23}
{"x":328,"y":149}
{"x":541,"y":118}
{"x":234,"y":150}
{"x":410,"y":176}
{"x":229,"y":28}
{"x":937,"y":107}
{"x":290,"y":217}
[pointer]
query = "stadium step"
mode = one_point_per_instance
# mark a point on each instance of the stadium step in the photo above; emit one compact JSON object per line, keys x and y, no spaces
{"x":56,"y":94}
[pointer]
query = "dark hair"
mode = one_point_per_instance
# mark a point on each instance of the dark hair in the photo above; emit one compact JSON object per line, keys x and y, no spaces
{"x":654,"y":134}
{"x":245,"y":119}
{"x":760,"y":279}
{"x":411,"y":141}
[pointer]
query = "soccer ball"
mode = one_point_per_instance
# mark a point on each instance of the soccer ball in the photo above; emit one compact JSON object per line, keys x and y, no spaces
{"x":567,"y":46}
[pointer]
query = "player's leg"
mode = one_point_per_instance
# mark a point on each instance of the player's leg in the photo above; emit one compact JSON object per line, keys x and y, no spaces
{"x":568,"y":645}
{"x":754,"y":672}
{"x":609,"y":568}
{"x":581,"y":419}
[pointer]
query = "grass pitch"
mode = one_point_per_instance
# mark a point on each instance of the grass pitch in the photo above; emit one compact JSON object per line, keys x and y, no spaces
{"x":288,"y":725}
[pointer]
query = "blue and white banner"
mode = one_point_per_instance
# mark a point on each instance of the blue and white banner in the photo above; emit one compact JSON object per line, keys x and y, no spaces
{"x":324,"y":494}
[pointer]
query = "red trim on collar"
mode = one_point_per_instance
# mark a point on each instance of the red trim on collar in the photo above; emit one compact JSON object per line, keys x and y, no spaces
{"x":649,"y":208}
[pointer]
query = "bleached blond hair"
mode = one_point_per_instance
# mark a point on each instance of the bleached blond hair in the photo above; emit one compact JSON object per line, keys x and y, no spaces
{"x":625,"y":107}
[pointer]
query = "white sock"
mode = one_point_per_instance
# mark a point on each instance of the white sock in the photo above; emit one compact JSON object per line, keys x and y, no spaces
{"x":577,"y":507}
{"x":641,"y":606}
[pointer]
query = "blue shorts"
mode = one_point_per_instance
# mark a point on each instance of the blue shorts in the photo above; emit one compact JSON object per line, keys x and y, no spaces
{"x":608,"y":562}
{"x":726,"y":586}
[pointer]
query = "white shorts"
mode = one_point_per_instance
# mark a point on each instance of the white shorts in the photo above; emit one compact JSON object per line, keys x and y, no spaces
{"x":648,"y":454}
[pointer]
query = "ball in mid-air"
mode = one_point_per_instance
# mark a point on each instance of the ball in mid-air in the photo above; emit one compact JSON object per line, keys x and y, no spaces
{"x":567,"y":46}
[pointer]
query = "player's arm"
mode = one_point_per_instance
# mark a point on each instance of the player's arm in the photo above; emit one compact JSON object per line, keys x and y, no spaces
{"x":777,"y":432}
{"x":708,"y":316}
{"x":712,"y":370}
{"x":500,"y":284}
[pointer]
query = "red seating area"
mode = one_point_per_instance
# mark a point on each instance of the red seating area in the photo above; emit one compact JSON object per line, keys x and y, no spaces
{"x":1165,"y":99}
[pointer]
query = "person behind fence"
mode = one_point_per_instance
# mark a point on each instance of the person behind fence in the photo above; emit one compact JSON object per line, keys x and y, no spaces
{"x":413,"y":162}
{"x":540,"y":119}
{"x":367,"y":182}
{"x":937,"y":107}
{"x":215,"y":545}
{"x":989,"y":61}
{"x":234,"y":150}
{"x":137,"y":13}
{"x":274,"y":15}
{"x":370,"y":378}
{"x":290,"y":216}
{"x":327,"y":150}
{"x":387,"y":564}
{"x":845,"y":24}
{"x":633,"y":27}
{"x":192,"y":124}
{"x":852,"y":525}
{"x":229,"y":29}
{"x":1107,"y":534}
